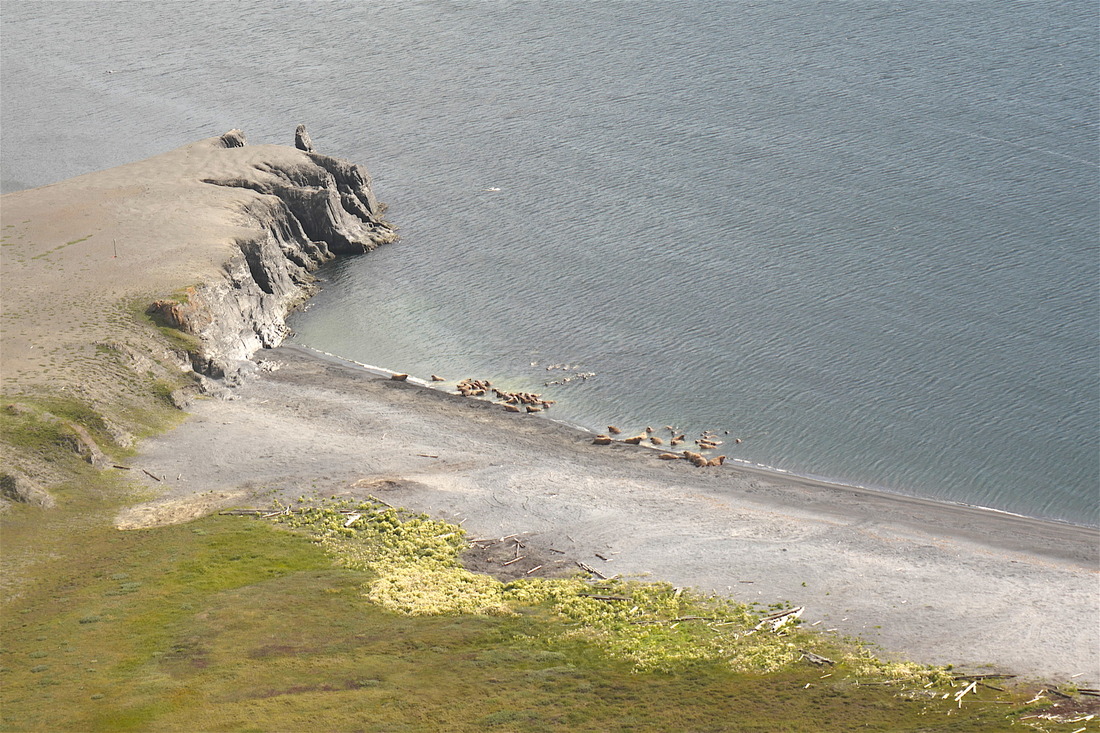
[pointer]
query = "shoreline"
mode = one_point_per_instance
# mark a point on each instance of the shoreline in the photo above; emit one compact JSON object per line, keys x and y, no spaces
{"x":931,"y":582}
{"x":741,"y":463}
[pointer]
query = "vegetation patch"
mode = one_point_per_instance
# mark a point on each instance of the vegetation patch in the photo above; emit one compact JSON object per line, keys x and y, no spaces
{"x":176,"y":339}
{"x":415,"y":569}
{"x":235,"y":623}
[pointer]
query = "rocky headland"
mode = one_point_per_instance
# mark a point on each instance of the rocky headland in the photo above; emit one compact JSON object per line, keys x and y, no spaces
{"x":214,"y":242}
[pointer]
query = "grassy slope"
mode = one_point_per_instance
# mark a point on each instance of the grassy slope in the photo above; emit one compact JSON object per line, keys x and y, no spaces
{"x":234,"y":623}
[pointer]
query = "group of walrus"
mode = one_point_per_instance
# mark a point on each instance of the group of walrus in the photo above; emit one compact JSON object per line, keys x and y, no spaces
{"x":534,"y":402}
{"x":512,"y":401}
{"x":706,"y":441}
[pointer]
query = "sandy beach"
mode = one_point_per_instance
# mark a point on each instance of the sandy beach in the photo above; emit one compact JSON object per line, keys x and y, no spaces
{"x":936,"y":583}
{"x":932,"y":582}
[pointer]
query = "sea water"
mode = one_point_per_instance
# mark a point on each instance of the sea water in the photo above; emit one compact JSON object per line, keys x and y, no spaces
{"x":859,"y":236}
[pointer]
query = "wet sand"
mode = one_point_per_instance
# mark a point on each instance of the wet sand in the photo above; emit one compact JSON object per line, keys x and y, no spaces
{"x":933,"y":582}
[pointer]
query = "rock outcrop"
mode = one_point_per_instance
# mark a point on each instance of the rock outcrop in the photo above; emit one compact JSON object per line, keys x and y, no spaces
{"x":307,"y":209}
{"x":14,"y":486}
{"x":302,"y":140}
{"x":233,"y":139}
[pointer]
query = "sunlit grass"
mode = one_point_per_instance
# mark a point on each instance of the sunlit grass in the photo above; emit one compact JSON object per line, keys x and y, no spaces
{"x":234,"y":623}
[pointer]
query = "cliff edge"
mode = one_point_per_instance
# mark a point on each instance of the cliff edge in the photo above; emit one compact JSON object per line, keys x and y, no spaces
{"x":214,"y":243}
{"x":305,"y":209}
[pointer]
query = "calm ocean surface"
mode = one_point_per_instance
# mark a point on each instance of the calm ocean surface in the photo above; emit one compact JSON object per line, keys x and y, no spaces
{"x":862,"y":236}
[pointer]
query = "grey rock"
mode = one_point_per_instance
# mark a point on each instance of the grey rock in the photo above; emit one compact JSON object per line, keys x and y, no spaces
{"x":233,"y":139}
{"x":306,"y":210}
{"x":84,"y":445}
{"x":301,"y":139}
{"x":17,"y":487}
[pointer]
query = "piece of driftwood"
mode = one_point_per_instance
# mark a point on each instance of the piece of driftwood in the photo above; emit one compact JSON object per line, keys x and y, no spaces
{"x":676,"y":620}
{"x":152,"y":475}
{"x":1040,"y":696}
{"x":537,"y":567}
{"x":1089,"y":691}
{"x":124,"y":468}
{"x":589,"y":569}
{"x":778,"y":620}
{"x":972,"y":677}
{"x":606,"y":598}
{"x":816,"y":658}
{"x":376,"y":500}
{"x":515,"y":560}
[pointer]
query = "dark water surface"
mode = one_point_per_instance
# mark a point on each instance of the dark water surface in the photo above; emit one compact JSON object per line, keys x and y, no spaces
{"x":862,"y":236}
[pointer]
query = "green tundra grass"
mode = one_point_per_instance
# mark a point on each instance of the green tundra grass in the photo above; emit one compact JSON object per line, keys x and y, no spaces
{"x":296,"y":622}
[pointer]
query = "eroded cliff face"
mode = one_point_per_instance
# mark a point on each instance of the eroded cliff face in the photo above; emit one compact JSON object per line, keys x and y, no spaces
{"x":302,"y":211}
{"x":226,"y":234}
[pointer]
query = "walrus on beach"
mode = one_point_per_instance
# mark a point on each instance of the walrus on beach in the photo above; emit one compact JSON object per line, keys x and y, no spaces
{"x":301,"y":139}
